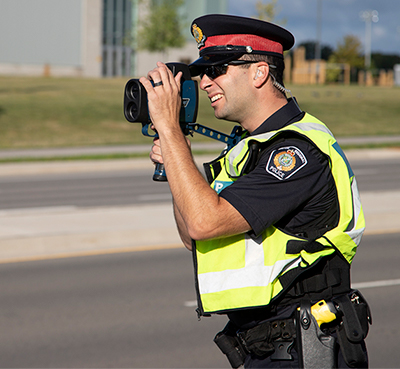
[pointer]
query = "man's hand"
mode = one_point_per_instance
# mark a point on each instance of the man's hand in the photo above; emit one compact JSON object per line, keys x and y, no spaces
{"x":199,"y":211}
{"x":164,"y":99}
{"x":155,"y":153}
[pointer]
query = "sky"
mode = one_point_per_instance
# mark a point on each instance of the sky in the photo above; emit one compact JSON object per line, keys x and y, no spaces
{"x":338,"y":18}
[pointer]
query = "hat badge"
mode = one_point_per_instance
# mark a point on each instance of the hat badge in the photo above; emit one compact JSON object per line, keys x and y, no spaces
{"x":198,"y":35}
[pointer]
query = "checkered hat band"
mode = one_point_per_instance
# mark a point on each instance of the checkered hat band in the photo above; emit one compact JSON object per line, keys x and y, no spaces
{"x":256,"y":42}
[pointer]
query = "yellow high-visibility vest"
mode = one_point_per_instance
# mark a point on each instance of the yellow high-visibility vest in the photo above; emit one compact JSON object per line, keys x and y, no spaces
{"x":239,"y":271}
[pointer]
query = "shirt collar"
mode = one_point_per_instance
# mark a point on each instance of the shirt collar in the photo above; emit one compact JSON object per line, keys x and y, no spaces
{"x":286,"y":115}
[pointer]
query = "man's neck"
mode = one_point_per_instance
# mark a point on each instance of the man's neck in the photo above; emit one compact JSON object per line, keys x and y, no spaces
{"x":268,"y":108}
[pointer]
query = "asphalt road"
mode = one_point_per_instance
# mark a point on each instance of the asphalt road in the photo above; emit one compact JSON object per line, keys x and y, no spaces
{"x":91,"y":189}
{"x":133,"y":187}
{"x":136,"y":310}
{"x":123,"y":310}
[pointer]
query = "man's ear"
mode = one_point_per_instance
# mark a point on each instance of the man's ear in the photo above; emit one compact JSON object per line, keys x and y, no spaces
{"x":261,"y":75}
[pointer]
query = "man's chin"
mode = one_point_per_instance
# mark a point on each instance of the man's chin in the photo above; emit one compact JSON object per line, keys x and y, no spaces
{"x":224,"y":117}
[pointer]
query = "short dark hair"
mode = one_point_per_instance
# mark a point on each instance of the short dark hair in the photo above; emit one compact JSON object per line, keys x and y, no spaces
{"x":279,"y":63}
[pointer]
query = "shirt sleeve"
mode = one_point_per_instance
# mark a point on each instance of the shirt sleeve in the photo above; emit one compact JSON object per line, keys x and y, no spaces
{"x":288,"y":176}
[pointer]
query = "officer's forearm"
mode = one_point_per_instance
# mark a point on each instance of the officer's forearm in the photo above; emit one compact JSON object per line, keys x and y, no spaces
{"x":192,"y":194}
{"x":182,"y":229}
{"x":205,"y":214}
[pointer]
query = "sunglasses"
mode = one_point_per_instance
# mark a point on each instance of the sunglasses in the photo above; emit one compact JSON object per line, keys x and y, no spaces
{"x":215,"y":71}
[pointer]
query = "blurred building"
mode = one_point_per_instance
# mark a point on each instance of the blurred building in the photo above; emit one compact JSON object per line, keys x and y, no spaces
{"x":85,"y":38}
{"x":397,"y":74}
{"x":51,"y":37}
{"x":311,"y":72}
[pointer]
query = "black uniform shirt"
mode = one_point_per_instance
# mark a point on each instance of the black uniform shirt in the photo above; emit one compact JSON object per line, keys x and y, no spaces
{"x":294,"y":191}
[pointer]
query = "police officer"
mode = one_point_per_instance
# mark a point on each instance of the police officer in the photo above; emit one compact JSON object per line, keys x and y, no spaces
{"x":275,"y":226}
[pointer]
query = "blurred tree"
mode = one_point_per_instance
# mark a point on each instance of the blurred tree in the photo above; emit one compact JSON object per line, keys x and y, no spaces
{"x":349,"y":51}
{"x":384,"y":61}
{"x":326,"y":50}
{"x":268,"y":11}
{"x":162,"y":28}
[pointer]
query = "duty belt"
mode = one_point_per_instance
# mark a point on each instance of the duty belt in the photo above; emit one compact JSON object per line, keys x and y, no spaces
{"x":349,"y":318}
{"x":273,"y":338}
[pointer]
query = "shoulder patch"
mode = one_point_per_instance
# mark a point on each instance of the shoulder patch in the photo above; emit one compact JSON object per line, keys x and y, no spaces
{"x":285,"y":161}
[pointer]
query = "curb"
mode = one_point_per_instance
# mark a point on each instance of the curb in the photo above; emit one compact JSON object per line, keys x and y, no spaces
{"x":32,"y":234}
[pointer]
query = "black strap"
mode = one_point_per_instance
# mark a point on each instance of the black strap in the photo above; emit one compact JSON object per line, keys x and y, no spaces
{"x":324,"y":279}
{"x":216,"y":166}
{"x":295,"y":246}
{"x":253,"y":157}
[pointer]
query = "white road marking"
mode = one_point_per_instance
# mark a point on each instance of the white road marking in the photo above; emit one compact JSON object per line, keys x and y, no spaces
{"x":192,"y":303}
{"x":385,"y":283}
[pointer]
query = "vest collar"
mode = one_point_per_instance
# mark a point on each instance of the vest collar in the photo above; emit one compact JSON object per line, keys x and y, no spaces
{"x":286,"y":115}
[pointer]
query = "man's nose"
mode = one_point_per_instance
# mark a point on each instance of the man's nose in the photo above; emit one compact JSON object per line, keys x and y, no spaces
{"x":205,"y":82}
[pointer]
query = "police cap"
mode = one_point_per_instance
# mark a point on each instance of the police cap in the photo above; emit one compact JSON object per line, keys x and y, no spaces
{"x":222,"y":38}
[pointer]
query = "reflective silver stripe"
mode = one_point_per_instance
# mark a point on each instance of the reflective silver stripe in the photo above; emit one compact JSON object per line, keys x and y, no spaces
{"x":355,"y":233}
{"x":254,"y":274}
{"x":235,"y":152}
{"x":265,"y":136}
{"x":254,"y":254}
{"x":231,"y":168}
{"x":232,"y":156}
{"x":313,"y":126}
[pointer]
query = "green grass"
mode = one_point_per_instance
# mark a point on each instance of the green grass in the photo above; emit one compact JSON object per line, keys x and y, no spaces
{"x":94,"y":157}
{"x":58,"y":112}
{"x":353,"y":110}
